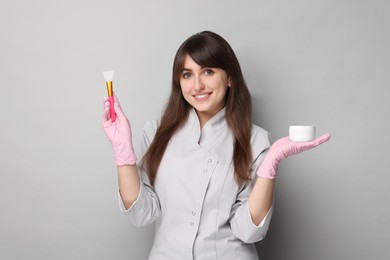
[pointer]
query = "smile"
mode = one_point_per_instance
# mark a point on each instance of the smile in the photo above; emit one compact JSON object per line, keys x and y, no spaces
{"x":202,"y":97}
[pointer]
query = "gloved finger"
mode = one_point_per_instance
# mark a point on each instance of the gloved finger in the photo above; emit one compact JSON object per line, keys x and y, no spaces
{"x":106,"y":120}
{"x":312,"y":144}
{"x":118,"y":111}
{"x":324,"y":138}
{"x":106,"y":104}
{"x":318,"y":141}
{"x":116,"y":100}
{"x":106,"y":111}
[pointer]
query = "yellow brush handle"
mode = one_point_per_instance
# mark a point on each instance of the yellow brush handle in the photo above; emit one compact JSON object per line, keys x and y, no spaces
{"x":109,"y":88}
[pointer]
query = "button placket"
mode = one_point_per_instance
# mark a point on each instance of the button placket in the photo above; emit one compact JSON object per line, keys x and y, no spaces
{"x":194,"y":217}
{"x":206,"y":171}
{"x":208,"y":165}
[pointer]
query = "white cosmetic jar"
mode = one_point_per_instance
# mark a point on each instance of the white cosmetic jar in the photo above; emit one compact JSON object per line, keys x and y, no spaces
{"x":302,"y":133}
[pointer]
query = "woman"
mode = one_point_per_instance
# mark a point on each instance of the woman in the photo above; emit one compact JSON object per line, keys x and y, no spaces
{"x":207,"y":173}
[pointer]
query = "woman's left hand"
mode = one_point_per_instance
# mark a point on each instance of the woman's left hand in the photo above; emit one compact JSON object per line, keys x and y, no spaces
{"x":282,"y":149}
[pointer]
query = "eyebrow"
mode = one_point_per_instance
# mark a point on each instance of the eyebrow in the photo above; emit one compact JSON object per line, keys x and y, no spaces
{"x":202,"y":67}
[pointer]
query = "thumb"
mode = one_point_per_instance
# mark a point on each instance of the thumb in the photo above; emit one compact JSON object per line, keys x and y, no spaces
{"x":116,"y":100}
{"x":118,"y":111}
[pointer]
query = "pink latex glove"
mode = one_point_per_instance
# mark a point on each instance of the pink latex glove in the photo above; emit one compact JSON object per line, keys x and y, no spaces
{"x":282,"y":149}
{"x":119,"y":134}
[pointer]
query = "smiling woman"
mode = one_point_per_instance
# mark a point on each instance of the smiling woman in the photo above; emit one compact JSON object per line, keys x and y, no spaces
{"x":205,"y":52}
{"x":205,"y":178}
{"x":204,"y":89}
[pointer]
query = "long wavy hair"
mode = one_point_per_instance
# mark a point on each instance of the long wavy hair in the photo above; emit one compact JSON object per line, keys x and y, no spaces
{"x":207,"y":49}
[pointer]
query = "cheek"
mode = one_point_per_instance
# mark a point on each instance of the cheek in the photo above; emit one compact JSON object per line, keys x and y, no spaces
{"x":186,"y":95}
{"x":184,"y":88}
{"x":223,"y":90}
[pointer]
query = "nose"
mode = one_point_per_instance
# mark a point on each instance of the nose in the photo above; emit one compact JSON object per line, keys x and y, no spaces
{"x":199,"y":85}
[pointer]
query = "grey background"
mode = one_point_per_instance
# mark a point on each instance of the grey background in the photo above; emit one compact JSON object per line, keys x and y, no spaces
{"x":324,"y":63}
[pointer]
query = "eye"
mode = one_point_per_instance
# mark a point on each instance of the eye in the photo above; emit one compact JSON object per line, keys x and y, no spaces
{"x":208,"y":72}
{"x":186,"y":74}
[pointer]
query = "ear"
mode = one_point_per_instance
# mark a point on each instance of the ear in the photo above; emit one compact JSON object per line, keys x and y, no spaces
{"x":230,"y":82}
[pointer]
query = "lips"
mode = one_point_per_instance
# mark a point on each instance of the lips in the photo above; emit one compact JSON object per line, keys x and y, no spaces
{"x":201,"y":97}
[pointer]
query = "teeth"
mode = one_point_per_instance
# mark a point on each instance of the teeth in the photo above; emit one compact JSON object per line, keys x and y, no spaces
{"x":201,"y":96}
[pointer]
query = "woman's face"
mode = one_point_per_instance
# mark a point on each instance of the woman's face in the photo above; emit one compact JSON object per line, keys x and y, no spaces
{"x":204,"y":88}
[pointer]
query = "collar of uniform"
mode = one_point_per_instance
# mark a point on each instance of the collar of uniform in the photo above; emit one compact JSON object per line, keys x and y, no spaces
{"x":210,"y":129}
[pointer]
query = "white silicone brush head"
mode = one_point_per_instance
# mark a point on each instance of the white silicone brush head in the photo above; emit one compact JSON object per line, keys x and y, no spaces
{"x":108,"y":75}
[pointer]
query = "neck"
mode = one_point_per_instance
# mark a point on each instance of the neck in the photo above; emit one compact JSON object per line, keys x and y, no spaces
{"x":203,"y":118}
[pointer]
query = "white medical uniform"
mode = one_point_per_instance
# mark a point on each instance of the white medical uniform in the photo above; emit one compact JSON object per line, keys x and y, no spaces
{"x":199,"y":210}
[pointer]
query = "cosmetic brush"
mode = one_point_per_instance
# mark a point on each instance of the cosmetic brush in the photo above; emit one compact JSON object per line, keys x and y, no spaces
{"x":108,"y":76}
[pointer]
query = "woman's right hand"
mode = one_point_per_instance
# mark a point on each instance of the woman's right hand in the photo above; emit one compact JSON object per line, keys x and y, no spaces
{"x":119,"y":134}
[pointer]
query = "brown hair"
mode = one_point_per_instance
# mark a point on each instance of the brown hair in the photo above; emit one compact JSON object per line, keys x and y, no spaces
{"x":207,"y":49}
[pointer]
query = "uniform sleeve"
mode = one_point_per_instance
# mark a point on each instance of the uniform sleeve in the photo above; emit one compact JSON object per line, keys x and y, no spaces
{"x":146,"y":209}
{"x":241,"y":221}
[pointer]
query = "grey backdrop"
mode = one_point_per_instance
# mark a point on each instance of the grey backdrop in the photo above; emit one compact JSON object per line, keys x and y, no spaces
{"x":316,"y":62}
